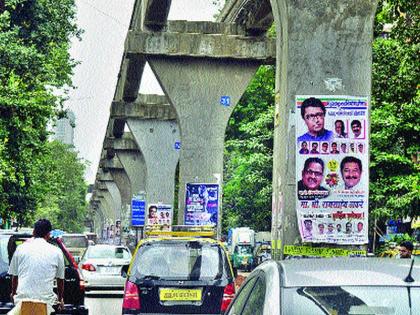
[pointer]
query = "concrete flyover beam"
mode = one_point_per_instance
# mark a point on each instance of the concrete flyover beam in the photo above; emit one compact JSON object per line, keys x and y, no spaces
{"x":201,"y":39}
{"x":317,"y":41}
{"x":198,"y":64}
{"x":255,"y":17}
{"x":145,"y":107}
{"x":155,"y":13}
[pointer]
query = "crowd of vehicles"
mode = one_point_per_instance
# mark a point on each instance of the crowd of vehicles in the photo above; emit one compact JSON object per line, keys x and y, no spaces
{"x":330,"y":286}
{"x":188,"y":271}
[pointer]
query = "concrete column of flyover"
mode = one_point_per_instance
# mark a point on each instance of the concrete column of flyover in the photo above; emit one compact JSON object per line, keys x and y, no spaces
{"x":110,"y":204}
{"x":318,"y":43}
{"x":152,"y":122}
{"x":99,"y":216}
{"x":204,"y":68}
{"x":113,"y":189}
{"x":120,"y":177}
{"x":132,"y":160}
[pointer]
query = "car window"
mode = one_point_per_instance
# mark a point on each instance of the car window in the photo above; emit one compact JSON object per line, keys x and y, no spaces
{"x":255,"y":303}
{"x":181,"y":261}
{"x":4,"y":256}
{"x":75,"y":241}
{"x":98,"y":252}
{"x":242,"y":297}
{"x":352,"y":300}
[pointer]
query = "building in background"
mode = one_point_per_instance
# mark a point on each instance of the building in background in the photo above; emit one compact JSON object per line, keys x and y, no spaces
{"x":63,"y":131}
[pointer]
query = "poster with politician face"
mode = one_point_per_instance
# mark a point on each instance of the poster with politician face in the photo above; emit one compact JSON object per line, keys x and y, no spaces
{"x":332,"y":168}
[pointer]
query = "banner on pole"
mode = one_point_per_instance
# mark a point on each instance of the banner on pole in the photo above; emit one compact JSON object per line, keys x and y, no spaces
{"x":201,"y":204}
{"x":332,"y":171}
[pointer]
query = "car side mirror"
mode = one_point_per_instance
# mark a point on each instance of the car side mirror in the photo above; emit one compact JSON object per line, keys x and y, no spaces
{"x":124,"y":271}
{"x":77,"y":259}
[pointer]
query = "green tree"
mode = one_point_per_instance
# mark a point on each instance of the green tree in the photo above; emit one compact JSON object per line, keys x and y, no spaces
{"x":395,"y":116}
{"x":248,"y":155}
{"x":62,"y":201}
{"x":34,"y":64}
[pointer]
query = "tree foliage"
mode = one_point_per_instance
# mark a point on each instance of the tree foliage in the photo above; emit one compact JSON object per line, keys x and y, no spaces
{"x":62,"y":201}
{"x":395,"y":116}
{"x":248,"y":154}
{"x":34,"y":64}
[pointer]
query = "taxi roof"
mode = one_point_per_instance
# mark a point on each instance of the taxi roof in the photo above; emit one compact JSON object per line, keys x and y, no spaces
{"x":348,"y":272}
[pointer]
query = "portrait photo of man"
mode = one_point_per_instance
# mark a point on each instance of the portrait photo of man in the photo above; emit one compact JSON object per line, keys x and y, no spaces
{"x":351,"y":172}
{"x":321,"y":229}
{"x":314,"y":149}
{"x":343,"y":148}
{"x":356,"y":128}
{"x":309,"y":187}
{"x":304,"y":148}
{"x":307,"y":229}
{"x":359,"y":227}
{"x":313,"y":113}
{"x":348,"y":228}
{"x":339,"y":129}
{"x":334,"y":149}
{"x":324,"y":148}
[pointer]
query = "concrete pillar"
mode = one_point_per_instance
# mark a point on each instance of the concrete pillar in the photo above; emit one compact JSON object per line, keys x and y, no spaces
{"x":152,"y":122}
{"x":135,"y":168}
{"x":111,"y":186}
{"x":196,"y":98}
{"x":316,"y":41}
{"x":157,"y":139}
{"x":108,"y":203}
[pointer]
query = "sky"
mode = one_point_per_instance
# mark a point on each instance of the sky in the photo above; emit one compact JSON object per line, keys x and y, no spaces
{"x":105,"y":24}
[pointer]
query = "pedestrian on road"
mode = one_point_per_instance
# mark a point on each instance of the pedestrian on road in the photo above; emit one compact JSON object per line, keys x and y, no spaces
{"x":406,"y":249}
{"x":34,"y":267}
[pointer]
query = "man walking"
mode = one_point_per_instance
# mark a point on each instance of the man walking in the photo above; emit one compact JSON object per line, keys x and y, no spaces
{"x":35,"y":265}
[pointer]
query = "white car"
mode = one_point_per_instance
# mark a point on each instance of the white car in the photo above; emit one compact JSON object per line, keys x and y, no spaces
{"x":103,"y":266}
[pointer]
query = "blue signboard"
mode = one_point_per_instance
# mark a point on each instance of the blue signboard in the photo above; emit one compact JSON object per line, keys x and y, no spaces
{"x":177,"y":145}
{"x":201,"y":204}
{"x":138,"y":208}
{"x":225,"y":100}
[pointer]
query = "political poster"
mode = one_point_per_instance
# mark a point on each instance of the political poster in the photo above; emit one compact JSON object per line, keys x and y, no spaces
{"x":332,"y":171}
{"x":201,"y":204}
{"x":160,"y":215}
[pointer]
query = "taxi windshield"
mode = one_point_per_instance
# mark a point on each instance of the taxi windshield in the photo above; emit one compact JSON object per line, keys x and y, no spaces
{"x":352,"y":300}
{"x":189,"y":260}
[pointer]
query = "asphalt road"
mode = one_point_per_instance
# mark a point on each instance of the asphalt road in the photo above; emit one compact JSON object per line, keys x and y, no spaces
{"x":104,"y":304}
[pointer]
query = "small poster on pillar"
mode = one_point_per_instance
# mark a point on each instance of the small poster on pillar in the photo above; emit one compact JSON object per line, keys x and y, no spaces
{"x":160,"y":216}
{"x":201,"y":204}
{"x":332,"y":170}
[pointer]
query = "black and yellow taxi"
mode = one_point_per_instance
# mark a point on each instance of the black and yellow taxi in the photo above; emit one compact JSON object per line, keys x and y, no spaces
{"x":179,"y":273}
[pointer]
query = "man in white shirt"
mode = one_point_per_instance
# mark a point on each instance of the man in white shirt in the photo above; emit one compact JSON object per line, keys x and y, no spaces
{"x":34,"y":266}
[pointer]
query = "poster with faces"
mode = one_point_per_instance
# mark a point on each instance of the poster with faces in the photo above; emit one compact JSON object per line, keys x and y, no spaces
{"x":332,"y":171}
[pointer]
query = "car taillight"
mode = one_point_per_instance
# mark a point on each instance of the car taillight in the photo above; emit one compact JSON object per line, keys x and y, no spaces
{"x":228,"y":295}
{"x":88,"y":267}
{"x":131,"y":296}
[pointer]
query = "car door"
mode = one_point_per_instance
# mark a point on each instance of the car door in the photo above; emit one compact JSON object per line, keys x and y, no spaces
{"x":241,"y":298}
